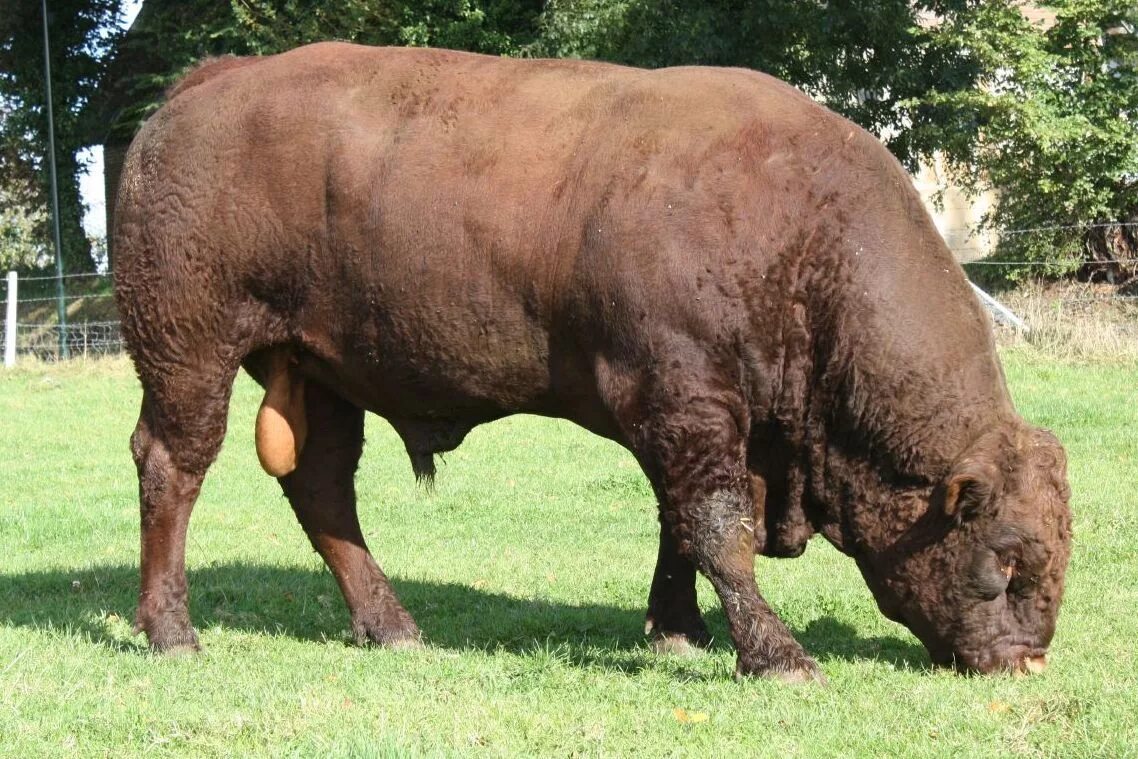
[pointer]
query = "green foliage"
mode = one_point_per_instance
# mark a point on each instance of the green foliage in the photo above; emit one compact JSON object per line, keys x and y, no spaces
{"x":1049,"y":123}
{"x":79,"y":41}
{"x":859,"y":58}
{"x":169,"y":36}
{"x":22,"y":217}
{"x":499,"y":27}
{"x":20,"y":245}
{"x":487,"y":26}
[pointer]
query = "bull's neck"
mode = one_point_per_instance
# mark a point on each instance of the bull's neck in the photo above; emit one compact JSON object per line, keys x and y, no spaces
{"x":899,"y":374}
{"x":905,"y":396}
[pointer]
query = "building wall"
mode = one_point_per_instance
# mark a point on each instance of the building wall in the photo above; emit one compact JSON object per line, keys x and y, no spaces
{"x":957,"y":214}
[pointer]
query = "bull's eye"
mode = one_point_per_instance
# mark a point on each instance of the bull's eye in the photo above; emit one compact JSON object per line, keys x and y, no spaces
{"x":991,"y":574}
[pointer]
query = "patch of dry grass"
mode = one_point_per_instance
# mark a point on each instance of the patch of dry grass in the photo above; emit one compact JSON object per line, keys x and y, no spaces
{"x":1076,"y":322}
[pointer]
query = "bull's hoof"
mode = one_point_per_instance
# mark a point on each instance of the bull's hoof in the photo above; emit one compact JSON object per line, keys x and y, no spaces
{"x":802,"y":670}
{"x":677,"y":644}
{"x":407,"y":644}
{"x":178,"y":649}
{"x":677,"y":635}
{"x":1032,"y":665}
{"x":402,"y":636}
{"x":170,"y":635}
{"x":801,"y":676}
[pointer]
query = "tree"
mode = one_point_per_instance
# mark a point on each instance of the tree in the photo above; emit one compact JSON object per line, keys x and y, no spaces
{"x":860,"y":58}
{"x":1049,"y":122}
{"x":497,"y":27}
{"x":21,"y":246}
{"x":21,"y":218}
{"x":80,"y":38}
{"x":1045,"y":116}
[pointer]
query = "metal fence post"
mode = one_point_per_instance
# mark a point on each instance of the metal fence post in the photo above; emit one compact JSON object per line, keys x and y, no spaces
{"x":1001,"y":312}
{"x":10,"y":323}
{"x":61,"y":307}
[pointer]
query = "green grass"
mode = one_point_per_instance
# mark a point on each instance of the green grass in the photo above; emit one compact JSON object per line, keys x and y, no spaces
{"x":528,"y":570}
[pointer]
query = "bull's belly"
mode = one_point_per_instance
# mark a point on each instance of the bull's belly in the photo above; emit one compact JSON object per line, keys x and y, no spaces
{"x":432,"y":405}
{"x":410,"y":385}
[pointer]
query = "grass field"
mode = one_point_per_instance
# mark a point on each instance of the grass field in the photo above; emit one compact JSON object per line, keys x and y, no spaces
{"x":528,"y":570}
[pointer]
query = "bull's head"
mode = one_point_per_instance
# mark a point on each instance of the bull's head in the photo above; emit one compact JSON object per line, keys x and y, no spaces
{"x":979,"y":577}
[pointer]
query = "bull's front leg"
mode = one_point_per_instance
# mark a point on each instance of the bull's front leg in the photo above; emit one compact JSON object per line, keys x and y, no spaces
{"x":674,"y":620}
{"x":695,"y":452}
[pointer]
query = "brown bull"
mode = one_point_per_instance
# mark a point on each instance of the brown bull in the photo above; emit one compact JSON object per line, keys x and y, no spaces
{"x":731,"y":281}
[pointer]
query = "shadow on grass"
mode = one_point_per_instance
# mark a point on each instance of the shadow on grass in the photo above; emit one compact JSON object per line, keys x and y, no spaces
{"x":305,"y":604}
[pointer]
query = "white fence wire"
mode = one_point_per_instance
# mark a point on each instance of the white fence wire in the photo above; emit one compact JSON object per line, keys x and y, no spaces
{"x":32,"y":329}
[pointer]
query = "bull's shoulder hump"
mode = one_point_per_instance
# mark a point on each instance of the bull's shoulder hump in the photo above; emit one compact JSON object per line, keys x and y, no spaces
{"x":206,"y":70}
{"x":749,"y":95}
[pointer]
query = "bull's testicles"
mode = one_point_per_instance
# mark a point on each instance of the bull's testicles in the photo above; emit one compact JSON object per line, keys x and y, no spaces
{"x":281,"y":423}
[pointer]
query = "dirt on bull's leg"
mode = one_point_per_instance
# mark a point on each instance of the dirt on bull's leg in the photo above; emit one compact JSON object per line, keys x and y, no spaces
{"x":693,"y":447}
{"x":723,"y":549}
{"x":282,"y":425}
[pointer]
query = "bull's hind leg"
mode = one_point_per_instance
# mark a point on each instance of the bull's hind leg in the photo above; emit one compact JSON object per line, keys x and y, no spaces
{"x":694,"y":445}
{"x":322,"y":492}
{"x":179,"y":433}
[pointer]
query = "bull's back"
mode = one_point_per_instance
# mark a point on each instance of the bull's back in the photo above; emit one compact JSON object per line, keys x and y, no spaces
{"x":466,"y":222}
{"x":447,"y":148}
{"x":445,"y":198}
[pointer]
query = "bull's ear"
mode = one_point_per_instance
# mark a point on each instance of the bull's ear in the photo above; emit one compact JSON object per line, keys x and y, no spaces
{"x":971,"y":489}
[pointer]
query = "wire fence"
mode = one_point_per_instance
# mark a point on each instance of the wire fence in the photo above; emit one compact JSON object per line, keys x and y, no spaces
{"x":1053,"y":264}
{"x":1046,"y":228}
{"x":31,"y":327}
{"x":92,"y":329}
{"x":85,"y":339}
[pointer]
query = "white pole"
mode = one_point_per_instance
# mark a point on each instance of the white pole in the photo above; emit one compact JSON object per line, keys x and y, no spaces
{"x":1001,"y":312}
{"x":10,"y":323}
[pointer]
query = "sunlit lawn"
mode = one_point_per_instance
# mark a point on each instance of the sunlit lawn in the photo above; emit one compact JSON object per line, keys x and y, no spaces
{"x":527,"y":569}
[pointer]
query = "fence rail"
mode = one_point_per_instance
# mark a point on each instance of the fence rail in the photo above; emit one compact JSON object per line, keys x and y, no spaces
{"x":68,"y":298}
